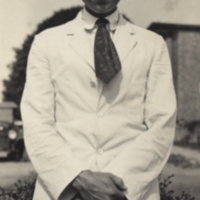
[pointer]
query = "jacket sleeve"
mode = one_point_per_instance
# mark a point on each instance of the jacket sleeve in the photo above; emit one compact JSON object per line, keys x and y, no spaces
{"x":142,"y":160}
{"x":53,"y":160}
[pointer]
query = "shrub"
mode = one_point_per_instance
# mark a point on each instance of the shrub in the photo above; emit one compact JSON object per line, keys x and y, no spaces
{"x":183,"y":162}
{"x":23,"y":190}
{"x":169,"y":195}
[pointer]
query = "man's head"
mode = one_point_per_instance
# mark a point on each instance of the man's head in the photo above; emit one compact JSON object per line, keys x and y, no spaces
{"x":101,"y":8}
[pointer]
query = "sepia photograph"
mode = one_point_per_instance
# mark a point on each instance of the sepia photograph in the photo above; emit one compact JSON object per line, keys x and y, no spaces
{"x":100,"y":100}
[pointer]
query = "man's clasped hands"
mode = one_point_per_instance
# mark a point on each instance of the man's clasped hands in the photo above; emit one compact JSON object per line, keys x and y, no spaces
{"x":99,"y":186}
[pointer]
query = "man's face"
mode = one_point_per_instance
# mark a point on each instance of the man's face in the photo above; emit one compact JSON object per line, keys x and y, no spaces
{"x":101,"y":7}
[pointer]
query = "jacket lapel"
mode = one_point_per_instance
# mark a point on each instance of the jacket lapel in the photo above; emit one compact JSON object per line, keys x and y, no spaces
{"x":125,"y":39}
{"x":80,"y":42}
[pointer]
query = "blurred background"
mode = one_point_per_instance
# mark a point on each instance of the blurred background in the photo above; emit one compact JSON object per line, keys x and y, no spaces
{"x":178,"y":21}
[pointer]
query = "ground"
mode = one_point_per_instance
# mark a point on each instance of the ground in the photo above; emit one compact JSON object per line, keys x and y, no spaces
{"x":186,"y":178}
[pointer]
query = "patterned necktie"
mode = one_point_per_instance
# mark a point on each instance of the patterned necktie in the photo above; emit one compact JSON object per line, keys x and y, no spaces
{"x":107,"y":62}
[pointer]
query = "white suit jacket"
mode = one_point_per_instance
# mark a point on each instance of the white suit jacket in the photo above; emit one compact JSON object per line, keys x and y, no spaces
{"x":73,"y":122}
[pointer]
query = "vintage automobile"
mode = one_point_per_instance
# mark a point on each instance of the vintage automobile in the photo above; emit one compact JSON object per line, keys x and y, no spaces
{"x":11,"y":140}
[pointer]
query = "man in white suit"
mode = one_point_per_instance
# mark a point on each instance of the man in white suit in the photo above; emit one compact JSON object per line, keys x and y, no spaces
{"x":92,"y":138}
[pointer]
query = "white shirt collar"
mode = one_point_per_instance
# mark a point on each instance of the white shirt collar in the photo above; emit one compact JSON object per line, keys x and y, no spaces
{"x":90,"y":20}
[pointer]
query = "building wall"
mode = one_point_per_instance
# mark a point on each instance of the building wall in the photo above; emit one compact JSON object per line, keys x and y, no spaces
{"x":188,"y":80}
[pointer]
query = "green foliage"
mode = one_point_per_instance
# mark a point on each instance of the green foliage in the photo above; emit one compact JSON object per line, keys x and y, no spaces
{"x":164,"y":194}
{"x":169,"y":195}
{"x":183,"y":162}
{"x":188,"y":134}
{"x":193,"y":125}
{"x":22,"y":191}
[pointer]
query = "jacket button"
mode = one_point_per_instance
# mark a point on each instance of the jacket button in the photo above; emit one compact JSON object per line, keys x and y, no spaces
{"x":100,"y":115}
{"x":100,"y":151}
{"x":92,"y":84}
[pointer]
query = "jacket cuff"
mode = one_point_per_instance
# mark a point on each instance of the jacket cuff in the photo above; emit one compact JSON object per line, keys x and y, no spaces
{"x":62,"y":179}
{"x":68,"y":193}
